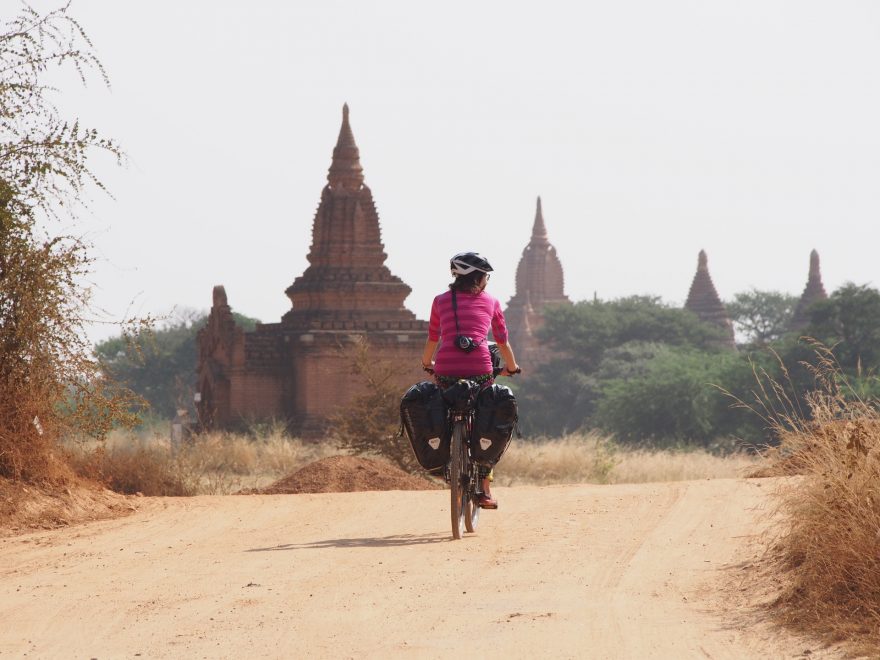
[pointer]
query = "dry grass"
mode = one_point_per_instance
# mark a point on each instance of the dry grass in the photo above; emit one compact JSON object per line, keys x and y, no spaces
{"x":210,"y":464}
{"x":830,"y":549}
{"x":592,"y":458}
{"x":222,"y":463}
{"x":828,"y":552}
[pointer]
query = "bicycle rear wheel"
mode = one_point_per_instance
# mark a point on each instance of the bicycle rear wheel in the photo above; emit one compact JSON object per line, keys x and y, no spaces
{"x":471,"y":508}
{"x":458,"y":479}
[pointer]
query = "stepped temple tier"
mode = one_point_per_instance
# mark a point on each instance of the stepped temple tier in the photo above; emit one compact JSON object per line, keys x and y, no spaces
{"x":814,"y":291}
{"x":539,"y":284}
{"x":703,"y":300}
{"x":299,"y":370}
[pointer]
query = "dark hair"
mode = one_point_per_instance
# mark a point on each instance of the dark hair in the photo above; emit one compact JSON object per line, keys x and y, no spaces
{"x":469,"y":283}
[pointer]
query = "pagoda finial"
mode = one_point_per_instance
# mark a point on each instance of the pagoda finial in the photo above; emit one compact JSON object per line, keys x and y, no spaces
{"x":219,"y":296}
{"x":702,"y":261}
{"x":815,"y":273}
{"x":345,"y":170}
{"x":539,"y":230}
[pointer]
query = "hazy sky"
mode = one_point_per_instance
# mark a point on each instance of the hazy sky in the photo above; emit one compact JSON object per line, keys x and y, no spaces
{"x":650,"y":130}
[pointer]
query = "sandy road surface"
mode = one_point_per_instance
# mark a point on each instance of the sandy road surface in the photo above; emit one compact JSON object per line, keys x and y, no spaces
{"x":570,"y":571}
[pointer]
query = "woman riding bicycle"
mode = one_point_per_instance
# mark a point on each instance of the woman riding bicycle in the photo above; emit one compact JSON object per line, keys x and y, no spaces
{"x":474,"y":313}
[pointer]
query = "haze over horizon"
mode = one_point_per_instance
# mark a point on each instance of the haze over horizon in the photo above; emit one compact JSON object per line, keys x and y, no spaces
{"x":650,"y":131}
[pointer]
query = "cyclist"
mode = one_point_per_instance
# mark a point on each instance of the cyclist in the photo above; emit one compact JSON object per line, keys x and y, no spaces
{"x":475,"y":312}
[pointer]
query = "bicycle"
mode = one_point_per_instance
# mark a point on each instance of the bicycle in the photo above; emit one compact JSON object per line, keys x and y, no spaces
{"x":462,"y":472}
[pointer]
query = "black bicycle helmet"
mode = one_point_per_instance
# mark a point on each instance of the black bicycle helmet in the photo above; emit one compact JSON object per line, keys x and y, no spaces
{"x":465,"y":263}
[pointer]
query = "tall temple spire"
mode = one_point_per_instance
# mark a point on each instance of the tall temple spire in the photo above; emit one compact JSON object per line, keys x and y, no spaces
{"x":347,"y":278}
{"x":704,"y":301}
{"x":814,"y":291}
{"x":345,"y":170}
{"x":539,"y":283}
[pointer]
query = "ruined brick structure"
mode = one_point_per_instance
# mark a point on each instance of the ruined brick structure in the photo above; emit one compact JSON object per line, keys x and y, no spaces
{"x":299,"y":370}
{"x":703,"y":300}
{"x":814,"y":291}
{"x":539,"y":284}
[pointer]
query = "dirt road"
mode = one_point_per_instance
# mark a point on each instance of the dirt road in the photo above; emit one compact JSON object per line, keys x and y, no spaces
{"x":570,"y":571}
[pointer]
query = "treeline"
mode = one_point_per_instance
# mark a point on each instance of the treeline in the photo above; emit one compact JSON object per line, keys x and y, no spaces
{"x":650,"y":373}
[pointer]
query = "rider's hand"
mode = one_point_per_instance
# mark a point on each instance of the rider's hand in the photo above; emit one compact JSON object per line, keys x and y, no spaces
{"x":507,"y":371}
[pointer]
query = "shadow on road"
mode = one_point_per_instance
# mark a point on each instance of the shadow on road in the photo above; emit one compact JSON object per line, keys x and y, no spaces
{"x":381,"y":542}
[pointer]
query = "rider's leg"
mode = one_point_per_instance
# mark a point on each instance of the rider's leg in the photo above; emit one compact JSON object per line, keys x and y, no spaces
{"x":486,"y":499}
{"x":486,"y":479}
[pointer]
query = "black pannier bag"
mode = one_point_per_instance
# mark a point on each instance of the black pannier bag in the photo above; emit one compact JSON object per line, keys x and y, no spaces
{"x":493,"y":424}
{"x":423,"y":416}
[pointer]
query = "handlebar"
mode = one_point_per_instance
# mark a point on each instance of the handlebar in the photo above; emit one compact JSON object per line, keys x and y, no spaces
{"x":509,"y":374}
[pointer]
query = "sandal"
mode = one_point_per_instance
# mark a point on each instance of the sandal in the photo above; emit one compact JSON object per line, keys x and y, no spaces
{"x":485,"y":501}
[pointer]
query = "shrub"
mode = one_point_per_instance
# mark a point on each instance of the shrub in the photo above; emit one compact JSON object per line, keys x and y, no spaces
{"x":369,"y":424}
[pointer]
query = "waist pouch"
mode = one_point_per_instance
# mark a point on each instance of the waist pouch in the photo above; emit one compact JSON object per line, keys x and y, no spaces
{"x":493,"y":424}
{"x":423,"y":416}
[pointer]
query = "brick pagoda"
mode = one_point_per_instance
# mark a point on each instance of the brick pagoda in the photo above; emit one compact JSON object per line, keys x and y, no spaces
{"x":299,"y":370}
{"x":814,"y":291}
{"x":703,"y":300}
{"x":539,"y":284}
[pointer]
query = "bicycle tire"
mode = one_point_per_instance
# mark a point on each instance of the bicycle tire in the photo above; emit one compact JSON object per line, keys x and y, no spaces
{"x":457,"y":477}
{"x":471,"y":507}
{"x":471,"y":511}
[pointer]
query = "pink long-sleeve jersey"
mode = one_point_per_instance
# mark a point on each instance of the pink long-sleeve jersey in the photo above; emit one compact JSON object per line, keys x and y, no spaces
{"x":477,"y":312}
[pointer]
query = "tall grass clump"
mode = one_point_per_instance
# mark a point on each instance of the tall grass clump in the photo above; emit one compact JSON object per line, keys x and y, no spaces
{"x":829,"y":547}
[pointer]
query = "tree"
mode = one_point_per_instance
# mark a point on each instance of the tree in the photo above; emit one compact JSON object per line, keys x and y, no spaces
{"x":675,"y":398}
{"x":585,"y":330}
{"x":849,"y":321}
{"x":159,"y":364}
{"x":49,"y":380}
{"x":762,"y":316}
{"x":595,"y":341}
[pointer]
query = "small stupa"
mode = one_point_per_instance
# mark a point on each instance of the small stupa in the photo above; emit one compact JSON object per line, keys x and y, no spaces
{"x":704,"y":301}
{"x":814,"y":291}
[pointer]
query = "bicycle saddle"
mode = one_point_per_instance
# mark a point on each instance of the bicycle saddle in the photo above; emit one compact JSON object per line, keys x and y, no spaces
{"x":462,"y":395}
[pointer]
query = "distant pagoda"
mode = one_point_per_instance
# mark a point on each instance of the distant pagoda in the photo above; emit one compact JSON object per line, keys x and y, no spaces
{"x":814,"y":291}
{"x":703,"y":300}
{"x":539,"y":284}
{"x":346,"y":301}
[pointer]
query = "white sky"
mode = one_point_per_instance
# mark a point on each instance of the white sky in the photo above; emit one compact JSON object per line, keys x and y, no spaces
{"x":650,"y":130}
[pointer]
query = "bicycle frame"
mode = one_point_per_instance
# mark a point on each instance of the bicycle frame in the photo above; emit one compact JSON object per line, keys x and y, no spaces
{"x":462,"y":472}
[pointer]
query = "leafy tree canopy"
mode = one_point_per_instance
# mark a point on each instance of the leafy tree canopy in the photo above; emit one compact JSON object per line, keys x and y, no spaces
{"x":762,"y":317}
{"x":585,"y":330}
{"x":597,"y":341}
{"x":849,"y":321}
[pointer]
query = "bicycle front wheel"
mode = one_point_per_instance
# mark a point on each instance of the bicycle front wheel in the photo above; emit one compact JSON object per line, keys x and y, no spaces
{"x":458,"y":479}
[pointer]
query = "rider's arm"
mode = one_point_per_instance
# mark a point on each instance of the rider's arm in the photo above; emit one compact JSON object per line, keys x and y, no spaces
{"x":499,"y":330}
{"x":428,"y":353}
{"x":433,"y":335}
{"x":510,"y":364}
